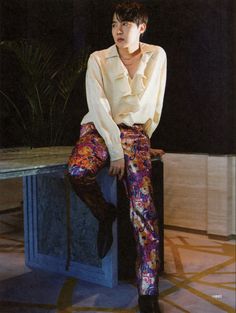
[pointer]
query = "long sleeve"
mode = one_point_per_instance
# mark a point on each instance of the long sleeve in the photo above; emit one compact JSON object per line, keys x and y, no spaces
{"x":100,"y":110}
{"x":151,"y":125}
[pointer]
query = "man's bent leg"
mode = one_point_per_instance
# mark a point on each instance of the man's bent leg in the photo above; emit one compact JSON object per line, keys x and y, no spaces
{"x":88,"y":157}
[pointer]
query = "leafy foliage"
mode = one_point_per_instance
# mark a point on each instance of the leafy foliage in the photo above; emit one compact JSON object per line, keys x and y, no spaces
{"x":46,"y":84}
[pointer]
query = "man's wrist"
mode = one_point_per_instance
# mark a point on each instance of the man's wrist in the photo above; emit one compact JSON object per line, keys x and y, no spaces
{"x":116,"y":152}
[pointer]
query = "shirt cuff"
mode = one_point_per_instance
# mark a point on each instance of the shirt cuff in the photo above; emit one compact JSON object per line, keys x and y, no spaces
{"x":116,"y":151}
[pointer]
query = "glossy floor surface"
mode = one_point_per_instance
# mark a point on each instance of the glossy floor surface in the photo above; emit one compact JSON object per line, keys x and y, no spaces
{"x":199,"y":278}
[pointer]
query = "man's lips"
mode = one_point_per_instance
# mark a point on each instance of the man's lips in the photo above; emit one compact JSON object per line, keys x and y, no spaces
{"x":120,"y":39}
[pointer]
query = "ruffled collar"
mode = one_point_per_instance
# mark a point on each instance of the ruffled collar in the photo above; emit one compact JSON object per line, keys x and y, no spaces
{"x":113,"y":52}
{"x":131,"y":90}
{"x":137,"y":84}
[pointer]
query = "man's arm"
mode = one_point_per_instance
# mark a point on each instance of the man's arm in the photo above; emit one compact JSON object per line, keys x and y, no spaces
{"x":100,"y":111}
{"x":100,"y":108}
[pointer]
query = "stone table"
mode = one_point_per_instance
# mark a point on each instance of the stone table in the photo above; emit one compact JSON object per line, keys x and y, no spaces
{"x":60,"y":232}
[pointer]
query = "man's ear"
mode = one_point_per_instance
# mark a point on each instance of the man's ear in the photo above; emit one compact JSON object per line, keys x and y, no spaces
{"x":142,"y":28}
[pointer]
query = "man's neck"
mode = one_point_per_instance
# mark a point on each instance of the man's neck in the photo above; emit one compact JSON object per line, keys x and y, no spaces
{"x":127,"y":53}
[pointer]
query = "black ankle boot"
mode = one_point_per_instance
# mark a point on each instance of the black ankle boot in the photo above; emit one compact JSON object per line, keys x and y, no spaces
{"x":105,"y":236}
{"x":148,"y":304}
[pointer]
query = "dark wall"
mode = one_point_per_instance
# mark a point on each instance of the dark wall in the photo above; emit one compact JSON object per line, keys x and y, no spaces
{"x":199,"y":107}
{"x":199,"y":102}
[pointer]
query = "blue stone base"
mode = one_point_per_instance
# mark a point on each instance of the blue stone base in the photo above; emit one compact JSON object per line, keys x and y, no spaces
{"x":60,"y":231}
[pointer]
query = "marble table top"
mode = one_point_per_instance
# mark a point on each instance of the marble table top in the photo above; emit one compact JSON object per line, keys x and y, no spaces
{"x":18,"y":162}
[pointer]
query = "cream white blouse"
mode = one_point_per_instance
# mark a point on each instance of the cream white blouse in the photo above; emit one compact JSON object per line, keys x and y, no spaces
{"x":114,"y":98}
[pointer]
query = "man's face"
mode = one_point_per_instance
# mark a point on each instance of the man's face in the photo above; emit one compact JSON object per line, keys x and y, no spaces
{"x":126,"y":34}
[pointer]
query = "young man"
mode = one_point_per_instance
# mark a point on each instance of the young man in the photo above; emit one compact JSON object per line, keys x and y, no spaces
{"x":125,"y":89}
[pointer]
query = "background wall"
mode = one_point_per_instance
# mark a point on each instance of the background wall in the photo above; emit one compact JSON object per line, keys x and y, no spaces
{"x":11,"y":195}
{"x":199,"y":193}
{"x":199,"y":110}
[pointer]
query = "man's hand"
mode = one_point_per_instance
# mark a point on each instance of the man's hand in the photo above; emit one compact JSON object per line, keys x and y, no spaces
{"x":117,"y":167}
{"x":156,"y":152}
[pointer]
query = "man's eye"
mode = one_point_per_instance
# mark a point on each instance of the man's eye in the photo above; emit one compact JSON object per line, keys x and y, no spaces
{"x":125,"y":23}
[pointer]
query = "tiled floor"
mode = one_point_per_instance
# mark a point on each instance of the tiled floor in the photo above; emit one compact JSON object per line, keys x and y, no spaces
{"x":199,"y":278}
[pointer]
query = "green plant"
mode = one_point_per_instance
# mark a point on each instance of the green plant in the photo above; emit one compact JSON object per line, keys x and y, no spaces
{"x":46,"y":85}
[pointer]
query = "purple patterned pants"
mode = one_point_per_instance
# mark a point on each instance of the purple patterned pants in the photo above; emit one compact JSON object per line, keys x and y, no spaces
{"x":89,"y":155}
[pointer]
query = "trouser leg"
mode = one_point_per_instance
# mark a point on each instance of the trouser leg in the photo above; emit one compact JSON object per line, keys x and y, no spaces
{"x":90,"y":193}
{"x":143,"y":214}
{"x":89,"y":155}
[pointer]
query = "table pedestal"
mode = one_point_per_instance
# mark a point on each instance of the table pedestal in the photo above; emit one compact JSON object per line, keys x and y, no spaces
{"x":60,"y":231}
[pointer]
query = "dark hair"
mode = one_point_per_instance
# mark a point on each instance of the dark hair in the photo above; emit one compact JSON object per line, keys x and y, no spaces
{"x":132,"y":12}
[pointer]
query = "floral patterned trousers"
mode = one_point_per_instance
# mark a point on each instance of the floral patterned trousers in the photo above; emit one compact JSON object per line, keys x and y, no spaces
{"x":89,"y":155}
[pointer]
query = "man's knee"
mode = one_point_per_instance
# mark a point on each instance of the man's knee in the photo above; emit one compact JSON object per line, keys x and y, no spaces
{"x":80,"y":177}
{"x":77,"y":171}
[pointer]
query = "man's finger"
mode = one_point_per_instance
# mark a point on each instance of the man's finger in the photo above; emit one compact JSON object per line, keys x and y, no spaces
{"x":111,"y":171}
{"x":157,"y":152}
{"x":121,"y":174}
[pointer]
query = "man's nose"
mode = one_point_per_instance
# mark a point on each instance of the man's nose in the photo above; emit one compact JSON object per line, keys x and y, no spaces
{"x":119,"y":30}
